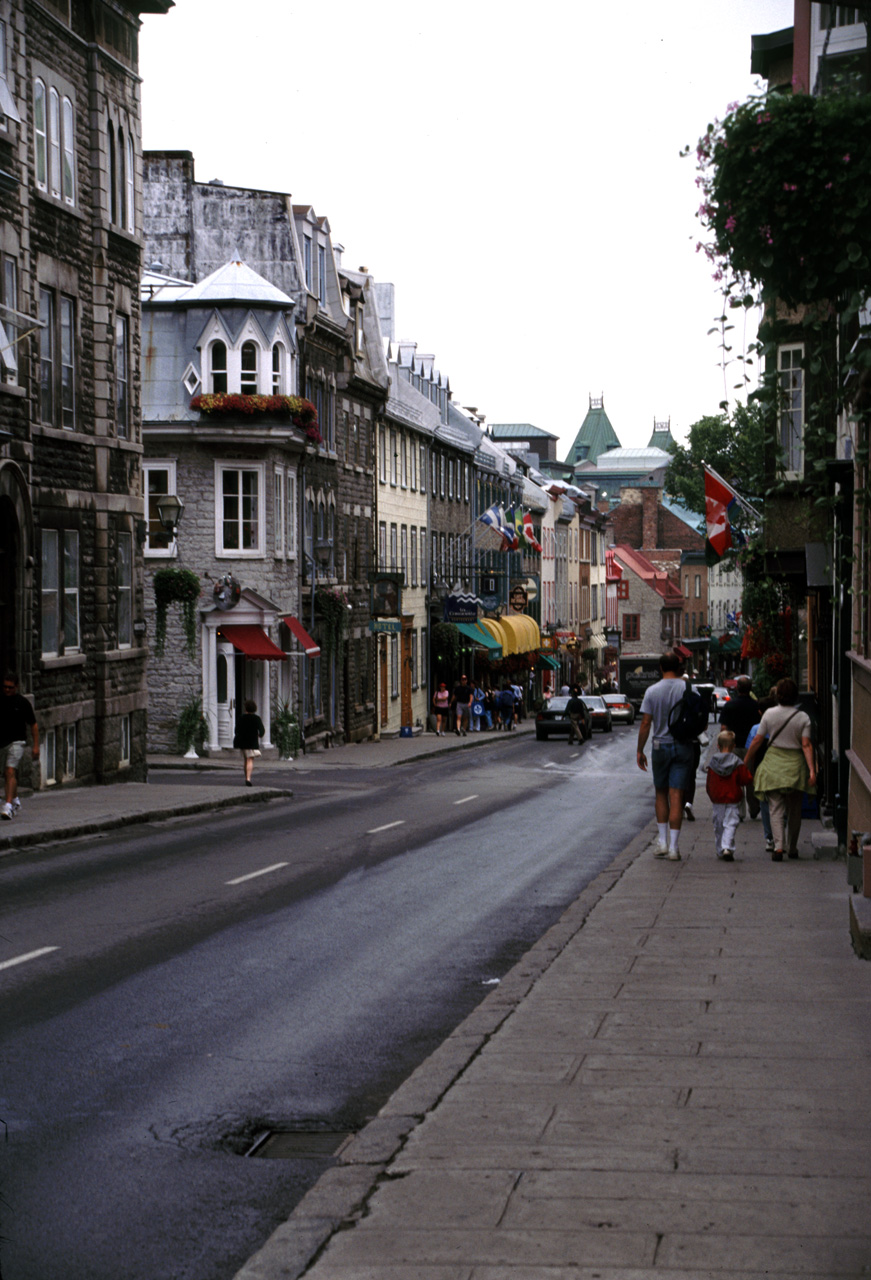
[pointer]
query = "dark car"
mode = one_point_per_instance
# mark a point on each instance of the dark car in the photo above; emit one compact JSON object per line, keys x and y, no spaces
{"x":553,"y":718}
{"x":599,"y":712}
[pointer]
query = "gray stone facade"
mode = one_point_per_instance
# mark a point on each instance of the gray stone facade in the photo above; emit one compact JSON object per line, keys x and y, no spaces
{"x":70,"y":507}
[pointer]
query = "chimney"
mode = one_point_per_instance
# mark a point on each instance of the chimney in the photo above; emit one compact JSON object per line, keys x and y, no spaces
{"x":650,"y":518}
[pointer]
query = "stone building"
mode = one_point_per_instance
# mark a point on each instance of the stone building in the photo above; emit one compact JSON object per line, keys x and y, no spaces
{"x":193,"y":228}
{"x":70,"y":510}
{"x":236,"y":468}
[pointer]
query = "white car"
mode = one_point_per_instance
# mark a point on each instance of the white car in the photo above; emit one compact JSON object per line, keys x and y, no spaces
{"x":722,"y":695}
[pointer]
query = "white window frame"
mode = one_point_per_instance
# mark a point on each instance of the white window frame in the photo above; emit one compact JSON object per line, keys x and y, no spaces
{"x":240,"y":553}
{"x":54,"y":139}
{"x":423,"y":461}
{"x":415,"y":663}
{"x":278,"y":511}
{"x":791,"y":453}
{"x":290,"y":531}
{"x":168,"y":465}
{"x":8,"y":109}
{"x":394,"y":665}
{"x":382,"y":453}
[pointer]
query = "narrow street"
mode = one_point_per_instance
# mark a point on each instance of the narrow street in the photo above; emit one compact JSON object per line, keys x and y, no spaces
{"x":202,"y":981}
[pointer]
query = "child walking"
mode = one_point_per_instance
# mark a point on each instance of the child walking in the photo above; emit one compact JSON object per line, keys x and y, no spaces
{"x":727,"y":775}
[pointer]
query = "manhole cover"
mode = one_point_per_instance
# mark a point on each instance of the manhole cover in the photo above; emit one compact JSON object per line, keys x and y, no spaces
{"x":297,"y":1144}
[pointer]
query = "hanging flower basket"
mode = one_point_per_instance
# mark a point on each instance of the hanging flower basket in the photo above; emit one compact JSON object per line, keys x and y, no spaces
{"x":301,"y":412}
{"x":176,"y":586}
{"x":785,"y":182}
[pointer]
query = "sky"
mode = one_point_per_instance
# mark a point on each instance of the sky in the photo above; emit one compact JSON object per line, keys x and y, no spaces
{"x":515,"y":172}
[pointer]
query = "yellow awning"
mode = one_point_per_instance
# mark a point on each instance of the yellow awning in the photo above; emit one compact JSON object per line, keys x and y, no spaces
{"x":524,"y":631}
{"x":500,"y":633}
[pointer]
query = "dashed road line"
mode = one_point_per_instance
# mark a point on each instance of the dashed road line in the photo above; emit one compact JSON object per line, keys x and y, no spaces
{"x":30,"y":955}
{"x":465,"y":799}
{"x":264,"y":871}
{"x":386,"y":827}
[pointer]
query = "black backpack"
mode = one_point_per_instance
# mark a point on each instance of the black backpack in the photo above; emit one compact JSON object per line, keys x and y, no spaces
{"x":689,"y":716}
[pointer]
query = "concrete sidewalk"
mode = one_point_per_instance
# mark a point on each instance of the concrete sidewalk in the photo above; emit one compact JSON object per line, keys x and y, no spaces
{"x":675,"y":1082}
{"x":64,"y":813}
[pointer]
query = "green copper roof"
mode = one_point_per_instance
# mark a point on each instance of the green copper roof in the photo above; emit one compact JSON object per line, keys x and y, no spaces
{"x":519,"y":431}
{"x":595,"y":437}
{"x":661,"y":437}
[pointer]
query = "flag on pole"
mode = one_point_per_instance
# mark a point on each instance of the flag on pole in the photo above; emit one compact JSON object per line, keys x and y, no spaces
{"x":491,"y":518}
{"x":508,"y":530}
{"x":518,"y":526}
{"x":721,"y":502}
{"x":529,"y":533}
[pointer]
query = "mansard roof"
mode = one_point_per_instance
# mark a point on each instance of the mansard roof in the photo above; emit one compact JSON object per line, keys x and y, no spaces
{"x":658,"y":579}
{"x":519,"y":431}
{"x":661,"y":437}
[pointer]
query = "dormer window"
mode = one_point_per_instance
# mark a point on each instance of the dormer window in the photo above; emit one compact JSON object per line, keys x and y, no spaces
{"x":248,"y":378}
{"x":218,"y":371}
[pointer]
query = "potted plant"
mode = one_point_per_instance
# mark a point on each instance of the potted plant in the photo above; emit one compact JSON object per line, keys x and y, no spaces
{"x":192,"y":728}
{"x":176,"y":586}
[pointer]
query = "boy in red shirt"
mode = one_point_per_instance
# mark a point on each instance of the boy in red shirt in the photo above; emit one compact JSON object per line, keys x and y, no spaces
{"x":727,"y":775}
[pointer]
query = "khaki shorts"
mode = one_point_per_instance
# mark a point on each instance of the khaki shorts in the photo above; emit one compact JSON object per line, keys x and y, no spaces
{"x":10,"y":755}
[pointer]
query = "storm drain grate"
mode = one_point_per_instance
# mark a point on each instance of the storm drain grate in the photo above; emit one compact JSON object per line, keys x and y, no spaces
{"x":298,"y":1144}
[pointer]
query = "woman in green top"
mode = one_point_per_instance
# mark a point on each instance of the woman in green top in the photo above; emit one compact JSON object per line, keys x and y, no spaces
{"x":788,"y":769}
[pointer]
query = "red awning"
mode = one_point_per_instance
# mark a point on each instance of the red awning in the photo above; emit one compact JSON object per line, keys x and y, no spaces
{"x":683,"y":651}
{"x":311,"y":648}
{"x":253,"y":642}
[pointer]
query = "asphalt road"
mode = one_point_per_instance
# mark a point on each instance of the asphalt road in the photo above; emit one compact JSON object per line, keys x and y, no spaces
{"x":212,"y":979}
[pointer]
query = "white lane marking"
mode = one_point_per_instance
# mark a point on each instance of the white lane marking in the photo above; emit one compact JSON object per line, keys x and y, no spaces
{"x":263,"y":872}
{"x":31,"y":955}
{"x":552,"y":764}
{"x":465,"y":799}
{"x":386,"y":827}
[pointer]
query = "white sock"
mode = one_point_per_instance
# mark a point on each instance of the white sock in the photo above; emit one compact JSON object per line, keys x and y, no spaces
{"x":662,"y":827}
{"x":673,"y":839}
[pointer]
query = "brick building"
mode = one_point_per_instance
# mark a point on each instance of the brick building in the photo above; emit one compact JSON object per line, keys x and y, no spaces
{"x":70,"y":508}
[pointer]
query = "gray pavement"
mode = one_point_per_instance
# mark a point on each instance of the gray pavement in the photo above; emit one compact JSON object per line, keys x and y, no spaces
{"x":67,"y":812}
{"x":674,"y":1082}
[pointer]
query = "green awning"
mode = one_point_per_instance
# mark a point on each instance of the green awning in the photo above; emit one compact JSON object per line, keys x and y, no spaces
{"x":547,"y":661}
{"x":730,"y":644}
{"x":481,"y":638}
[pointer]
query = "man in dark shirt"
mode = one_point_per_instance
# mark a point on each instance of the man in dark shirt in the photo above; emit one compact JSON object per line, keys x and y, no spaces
{"x":462,"y":700}
{"x":740,"y":714}
{"x":576,"y":710}
{"x":16,"y":714}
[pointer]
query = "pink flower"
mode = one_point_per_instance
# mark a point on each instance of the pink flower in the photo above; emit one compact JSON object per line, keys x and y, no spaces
{"x":847,"y":158}
{"x":790,"y":186}
{"x":730,"y":222}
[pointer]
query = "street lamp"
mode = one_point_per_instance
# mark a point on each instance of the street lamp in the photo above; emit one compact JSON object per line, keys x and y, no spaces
{"x":169,"y":512}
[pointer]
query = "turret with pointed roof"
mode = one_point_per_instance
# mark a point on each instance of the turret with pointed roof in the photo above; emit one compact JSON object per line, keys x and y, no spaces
{"x":596,"y":435}
{"x":661,"y":437}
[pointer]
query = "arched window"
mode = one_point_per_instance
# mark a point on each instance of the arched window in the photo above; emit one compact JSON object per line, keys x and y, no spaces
{"x":69,"y":154}
{"x":113,"y":174}
{"x":129,"y":179}
{"x":40,"y":131}
{"x":218,"y":360}
{"x":277,"y":369}
{"x":249,"y":369}
{"x":122,"y":185}
{"x":54,"y":141}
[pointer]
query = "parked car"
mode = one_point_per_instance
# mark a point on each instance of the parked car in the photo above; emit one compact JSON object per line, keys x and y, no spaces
{"x":622,"y":710}
{"x":722,"y":695}
{"x":553,"y":718}
{"x":599,"y":711}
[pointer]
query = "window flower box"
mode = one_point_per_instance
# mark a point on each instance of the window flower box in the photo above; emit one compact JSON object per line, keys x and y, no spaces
{"x":302,"y":413}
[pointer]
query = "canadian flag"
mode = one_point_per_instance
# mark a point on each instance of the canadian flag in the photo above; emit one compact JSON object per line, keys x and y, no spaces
{"x":719,"y":499}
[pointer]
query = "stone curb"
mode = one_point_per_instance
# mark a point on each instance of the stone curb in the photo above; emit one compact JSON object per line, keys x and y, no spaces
{"x":340,"y":1196}
{"x":18,"y":839}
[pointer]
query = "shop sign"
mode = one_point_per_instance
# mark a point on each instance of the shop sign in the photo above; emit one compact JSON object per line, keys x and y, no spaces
{"x":460,"y":609}
{"x":518,"y":600}
{"x":385,"y":624}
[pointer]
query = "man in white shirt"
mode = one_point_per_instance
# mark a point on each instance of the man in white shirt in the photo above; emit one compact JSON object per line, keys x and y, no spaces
{"x":672,"y":761}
